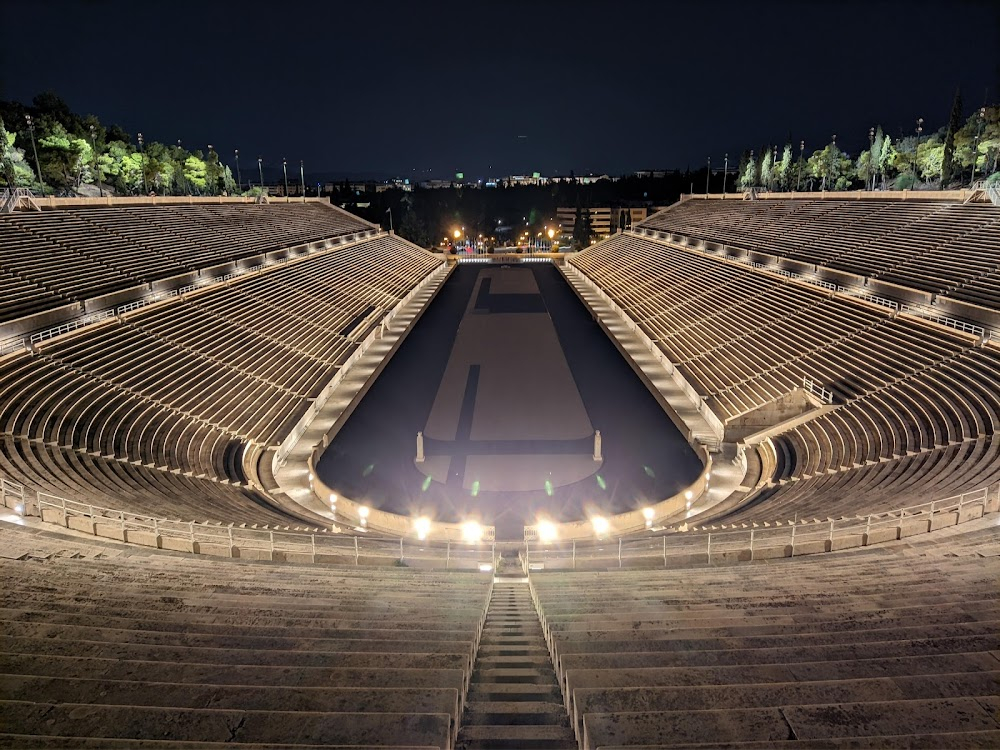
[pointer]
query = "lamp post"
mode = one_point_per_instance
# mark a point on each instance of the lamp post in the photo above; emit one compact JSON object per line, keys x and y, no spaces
{"x":180,"y":164}
{"x":34,"y":148}
{"x":774,"y":168}
{"x":260,"y":171}
{"x":284,"y":167}
{"x":239,"y":175}
{"x":302,"y":176}
{"x":725,"y":173}
{"x":142,"y":164}
{"x":93,"y":150}
{"x":975,"y":144}
{"x":916,"y":147}
{"x":871,"y":154}
{"x":798,"y":174}
{"x":708,"y":173}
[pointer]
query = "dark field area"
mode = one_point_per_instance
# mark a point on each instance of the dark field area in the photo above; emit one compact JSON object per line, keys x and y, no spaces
{"x":518,"y":415}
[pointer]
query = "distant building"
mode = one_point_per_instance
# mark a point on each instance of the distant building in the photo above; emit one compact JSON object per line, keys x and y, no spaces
{"x":604,"y":220}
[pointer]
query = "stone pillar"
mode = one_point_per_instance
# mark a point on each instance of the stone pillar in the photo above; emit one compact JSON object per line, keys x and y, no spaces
{"x":420,"y":447}
{"x":597,"y":446}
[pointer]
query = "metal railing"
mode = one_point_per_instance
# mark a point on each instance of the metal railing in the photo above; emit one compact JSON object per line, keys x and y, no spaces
{"x":823,"y":394}
{"x":744,"y":542}
{"x":874,"y":298}
{"x":229,"y":540}
{"x":958,"y":325}
{"x":70,"y":325}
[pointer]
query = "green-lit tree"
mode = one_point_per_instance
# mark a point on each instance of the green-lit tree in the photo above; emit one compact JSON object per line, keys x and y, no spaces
{"x":766,"y":168}
{"x":784,"y":168}
{"x":748,"y":175}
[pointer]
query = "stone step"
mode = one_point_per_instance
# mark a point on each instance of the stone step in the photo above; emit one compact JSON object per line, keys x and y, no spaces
{"x":533,"y":676}
{"x":516,"y":737}
{"x":514,"y":691}
{"x":514,"y":713}
{"x":488,"y":660}
{"x":50,"y":742}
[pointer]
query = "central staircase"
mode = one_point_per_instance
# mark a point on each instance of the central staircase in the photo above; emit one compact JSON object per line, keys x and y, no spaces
{"x":514,"y":698}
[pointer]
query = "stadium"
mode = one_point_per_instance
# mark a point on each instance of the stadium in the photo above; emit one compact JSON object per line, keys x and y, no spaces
{"x":274,"y":477}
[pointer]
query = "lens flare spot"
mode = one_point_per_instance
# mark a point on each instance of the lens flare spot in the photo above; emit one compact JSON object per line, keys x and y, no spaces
{"x":427,"y":483}
{"x":649,"y":472}
{"x":368,"y":470}
{"x":475,"y":488}
{"x":601,"y":483}
{"x":548,"y":487}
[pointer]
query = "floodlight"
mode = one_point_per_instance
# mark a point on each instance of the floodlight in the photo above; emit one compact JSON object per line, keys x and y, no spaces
{"x":547,"y":532}
{"x":600,"y":524}
{"x":422,"y":526}
{"x":472,"y":532}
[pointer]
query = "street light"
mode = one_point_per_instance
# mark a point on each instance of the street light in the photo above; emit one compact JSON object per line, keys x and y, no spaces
{"x":142,"y":164}
{"x":916,"y":148}
{"x":239,"y":175}
{"x":708,"y":173}
{"x":798,"y":176}
{"x":284,"y":167}
{"x":260,"y":171}
{"x":34,"y":148}
{"x":93,"y":150}
{"x":725,"y":174}
{"x":302,"y":176}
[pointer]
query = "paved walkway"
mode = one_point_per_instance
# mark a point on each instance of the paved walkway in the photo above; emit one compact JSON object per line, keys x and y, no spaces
{"x":293,"y":474}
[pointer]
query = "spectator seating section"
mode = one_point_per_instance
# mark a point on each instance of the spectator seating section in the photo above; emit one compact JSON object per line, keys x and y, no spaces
{"x":115,"y":647}
{"x":51,"y":258}
{"x":893,"y":646}
{"x":158,"y":411}
{"x":948,"y":249}
{"x":917,"y":403}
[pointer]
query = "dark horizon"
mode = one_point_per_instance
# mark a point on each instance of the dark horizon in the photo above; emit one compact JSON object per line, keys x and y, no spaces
{"x":489,"y":89}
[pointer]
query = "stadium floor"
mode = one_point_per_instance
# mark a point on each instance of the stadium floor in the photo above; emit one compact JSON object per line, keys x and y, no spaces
{"x":507,"y":375}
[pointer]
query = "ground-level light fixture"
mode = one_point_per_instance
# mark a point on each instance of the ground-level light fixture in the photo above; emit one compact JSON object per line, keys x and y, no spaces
{"x":422,"y":526}
{"x":547,"y":532}
{"x":472,"y":532}
{"x":600,"y":524}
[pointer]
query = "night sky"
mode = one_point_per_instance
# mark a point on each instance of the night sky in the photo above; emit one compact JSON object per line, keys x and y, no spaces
{"x":491,"y":88}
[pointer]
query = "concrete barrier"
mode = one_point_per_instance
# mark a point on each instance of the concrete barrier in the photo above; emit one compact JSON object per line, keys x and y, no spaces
{"x":914,"y":526}
{"x":770,"y":553}
{"x":81,"y":523}
{"x":145,"y":538}
{"x":813,"y":547}
{"x":970,"y":512}
{"x":877,"y":536}
{"x":251,"y":553}
{"x":109,"y":531}
{"x":177,"y":544}
{"x":943,"y":520}
{"x":54,"y":515}
{"x":847,"y":542}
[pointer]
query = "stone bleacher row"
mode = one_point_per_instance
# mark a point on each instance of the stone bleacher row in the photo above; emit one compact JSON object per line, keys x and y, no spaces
{"x":51,"y":258}
{"x":949,"y":249}
{"x":159,"y":412}
{"x":882,"y":648}
{"x":917,"y":398}
{"x":103,"y":653}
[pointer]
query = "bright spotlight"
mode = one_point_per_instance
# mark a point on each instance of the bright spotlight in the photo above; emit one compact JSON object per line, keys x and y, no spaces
{"x":422,"y":526}
{"x":600,"y":524}
{"x":688,"y":495}
{"x":648,"y":513}
{"x":19,"y":509}
{"x":363,"y":512}
{"x":547,"y":532}
{"x":457,"y":233}
{"x":472,"y":532}
{"x":485,"y":567}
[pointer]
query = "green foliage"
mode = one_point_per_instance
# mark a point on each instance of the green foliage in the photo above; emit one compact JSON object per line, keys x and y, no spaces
{"x":930,"y":158}
{"x":748,"y":177}
{"x":863,"y":167}
{"x":766,"y":168}
{"x":196,"y":173}
{"x":832,"y":167}
{"x":784,"y":170}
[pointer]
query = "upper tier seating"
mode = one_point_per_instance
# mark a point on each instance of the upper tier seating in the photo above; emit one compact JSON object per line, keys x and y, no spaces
{"x":918,"y":406}
{"x":159,"y":411}
{"x":883,"y":648}
{"x":103,"y":650}
{"x":946,"y":249}
{"x":51,"y":258}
